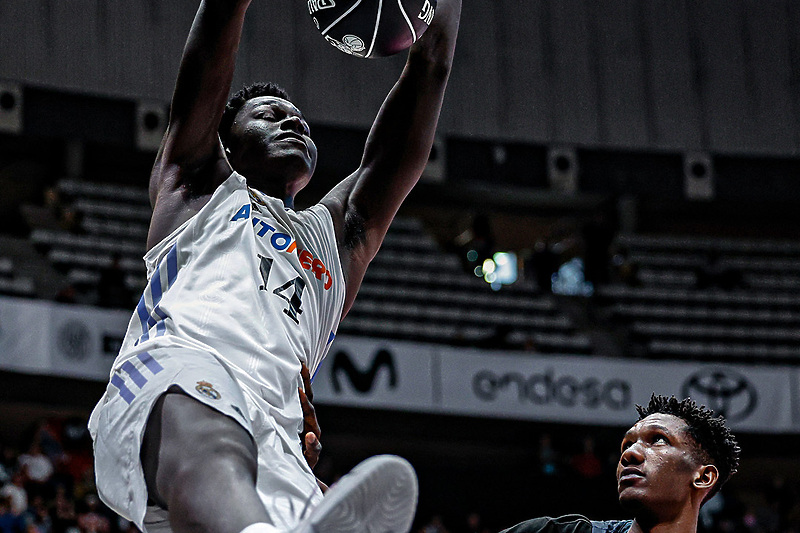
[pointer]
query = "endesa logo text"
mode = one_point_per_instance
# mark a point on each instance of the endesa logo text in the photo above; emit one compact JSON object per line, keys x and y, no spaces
{"x":550,"y":388}
{"x":283,"y":242}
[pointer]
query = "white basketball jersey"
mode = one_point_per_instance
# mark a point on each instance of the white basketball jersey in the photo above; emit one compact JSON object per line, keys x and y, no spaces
{"x":254,"y":283}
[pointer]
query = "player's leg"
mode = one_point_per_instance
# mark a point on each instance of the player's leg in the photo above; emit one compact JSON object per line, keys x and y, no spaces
{"x":200,"y":465}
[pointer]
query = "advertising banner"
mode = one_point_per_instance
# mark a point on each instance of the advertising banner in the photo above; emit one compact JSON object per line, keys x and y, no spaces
{"x":77,"y":341}
{"x":569,"y":389}
{"x":596,"y":390}
{"x":42,"y":337}
{"x":363,"y":372}
{"x":23,"y":339}
{"x":85,"y":340}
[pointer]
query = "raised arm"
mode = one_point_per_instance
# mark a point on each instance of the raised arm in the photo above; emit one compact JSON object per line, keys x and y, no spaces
{"x":397,"y":149}
{"x":190,"y":162}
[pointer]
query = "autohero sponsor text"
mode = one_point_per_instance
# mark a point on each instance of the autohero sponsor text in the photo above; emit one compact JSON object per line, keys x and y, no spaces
{"x":550,"y":388}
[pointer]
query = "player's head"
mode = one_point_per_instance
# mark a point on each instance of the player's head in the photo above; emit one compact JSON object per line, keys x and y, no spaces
{"x":264,"y":133}
{"x":678,"y":453}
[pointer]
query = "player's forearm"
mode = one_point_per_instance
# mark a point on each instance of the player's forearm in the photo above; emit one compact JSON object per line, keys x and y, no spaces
{"x":205,"y":76}
{"x":436,"y":46}
{"x":411,"y":110}
{"x":400,"y":139}
{"x":402,"y":134}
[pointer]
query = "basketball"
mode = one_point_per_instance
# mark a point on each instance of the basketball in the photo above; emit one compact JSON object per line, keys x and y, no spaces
{"x":371,"y":28}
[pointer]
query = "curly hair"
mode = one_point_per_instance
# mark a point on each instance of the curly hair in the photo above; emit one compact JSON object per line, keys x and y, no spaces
{"x":715,"y":442}
{"x":237,"y":101}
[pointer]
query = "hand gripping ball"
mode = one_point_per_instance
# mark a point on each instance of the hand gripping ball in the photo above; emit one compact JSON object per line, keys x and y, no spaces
{"x":372,"y":28}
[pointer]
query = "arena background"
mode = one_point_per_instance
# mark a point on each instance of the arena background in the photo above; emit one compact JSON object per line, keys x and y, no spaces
{"x":655,"y":145}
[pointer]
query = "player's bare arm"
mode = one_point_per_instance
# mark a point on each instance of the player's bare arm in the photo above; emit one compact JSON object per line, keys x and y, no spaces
{"x":191,"y":163}
{"x":397,"y":149}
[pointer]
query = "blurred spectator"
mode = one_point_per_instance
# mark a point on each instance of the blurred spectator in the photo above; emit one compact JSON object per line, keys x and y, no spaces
{"x":91,"y":521}
{"x":39,"y":520}
{"x":10,"y":522}
{"x":37,"y":467}
{"x":47,"y":434}
{"x":780,"y":495}
{"x":587,"y":464}
{"x":111,"y":288}
{"x":76,"y":460}
{"x":8,"y":463}
{"x":548,"y":457}
{"x":85,"y":484}
{"x":64,"y":517}
{"x":435,"y":525}
{"x":472,"y":524}
{"x":15,"y":492}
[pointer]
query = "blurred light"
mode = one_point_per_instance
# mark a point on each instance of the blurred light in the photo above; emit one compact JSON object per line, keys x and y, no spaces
{"x":496,"y":286}
{"x":505,"y":267}
{"x":490,"y":277}
{"x":472,"y":255}
{"x":570,"y":280}
{"x":488,"y":266}
{"x":478,"y":271}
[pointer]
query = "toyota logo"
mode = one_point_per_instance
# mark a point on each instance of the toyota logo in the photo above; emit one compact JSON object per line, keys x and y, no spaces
{"x":726,"y":392}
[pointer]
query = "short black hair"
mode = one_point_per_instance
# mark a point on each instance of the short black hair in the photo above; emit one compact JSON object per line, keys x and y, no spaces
{"x":243,"y":95}
{"x":715,"y":442}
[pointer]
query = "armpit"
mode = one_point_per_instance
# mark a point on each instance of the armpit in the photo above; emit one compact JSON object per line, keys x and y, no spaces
{"x":354,"y":230}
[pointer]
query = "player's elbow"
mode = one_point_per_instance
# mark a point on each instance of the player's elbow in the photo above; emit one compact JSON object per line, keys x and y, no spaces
{"x":433,"y":67}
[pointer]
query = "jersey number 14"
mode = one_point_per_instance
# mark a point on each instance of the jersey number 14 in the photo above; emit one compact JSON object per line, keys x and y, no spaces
{"x":293,"y":287}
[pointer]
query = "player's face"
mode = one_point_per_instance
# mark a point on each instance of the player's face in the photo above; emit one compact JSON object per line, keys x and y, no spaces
{"x":656,"y":467}
{"x":271,"y":131}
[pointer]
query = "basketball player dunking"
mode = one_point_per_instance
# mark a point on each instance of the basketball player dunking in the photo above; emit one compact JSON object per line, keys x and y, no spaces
{"x":198,"y":429}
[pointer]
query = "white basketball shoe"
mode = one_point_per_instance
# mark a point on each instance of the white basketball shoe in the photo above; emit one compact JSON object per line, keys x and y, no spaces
{"x":377,"y":496}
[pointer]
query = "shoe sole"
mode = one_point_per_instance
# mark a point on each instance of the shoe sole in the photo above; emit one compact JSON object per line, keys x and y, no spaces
{"x":377,"y":496}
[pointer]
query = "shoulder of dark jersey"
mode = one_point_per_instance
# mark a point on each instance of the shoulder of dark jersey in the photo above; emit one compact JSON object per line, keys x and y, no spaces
{"x":573,"y":523}
{"x":612,"y":526}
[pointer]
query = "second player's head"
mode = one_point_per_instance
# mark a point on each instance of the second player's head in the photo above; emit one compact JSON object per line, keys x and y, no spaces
{"x":674,"y":458}
{"x":267,"y":139}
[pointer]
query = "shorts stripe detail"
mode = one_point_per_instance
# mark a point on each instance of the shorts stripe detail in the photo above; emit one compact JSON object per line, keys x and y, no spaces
{"x":134,"y":373}
{"x":148,"y":361}
{"x":124,"y":391}
{"x":331,"y":337}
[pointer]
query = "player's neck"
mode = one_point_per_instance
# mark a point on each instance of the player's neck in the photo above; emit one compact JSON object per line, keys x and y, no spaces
{"x":275,"y":190}
{"x":685,"y":522}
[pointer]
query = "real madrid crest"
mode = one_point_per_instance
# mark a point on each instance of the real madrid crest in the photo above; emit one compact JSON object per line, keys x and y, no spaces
{"x":207,"y":389}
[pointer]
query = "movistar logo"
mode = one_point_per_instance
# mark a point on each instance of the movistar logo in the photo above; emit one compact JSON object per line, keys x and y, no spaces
{"x":362,"y":381}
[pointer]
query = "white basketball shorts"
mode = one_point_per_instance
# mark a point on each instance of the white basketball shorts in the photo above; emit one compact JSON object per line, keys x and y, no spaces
{"x":285,"y":483}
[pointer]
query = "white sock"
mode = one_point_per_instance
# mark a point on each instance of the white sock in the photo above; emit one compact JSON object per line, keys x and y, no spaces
{"x":260,"y":527}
